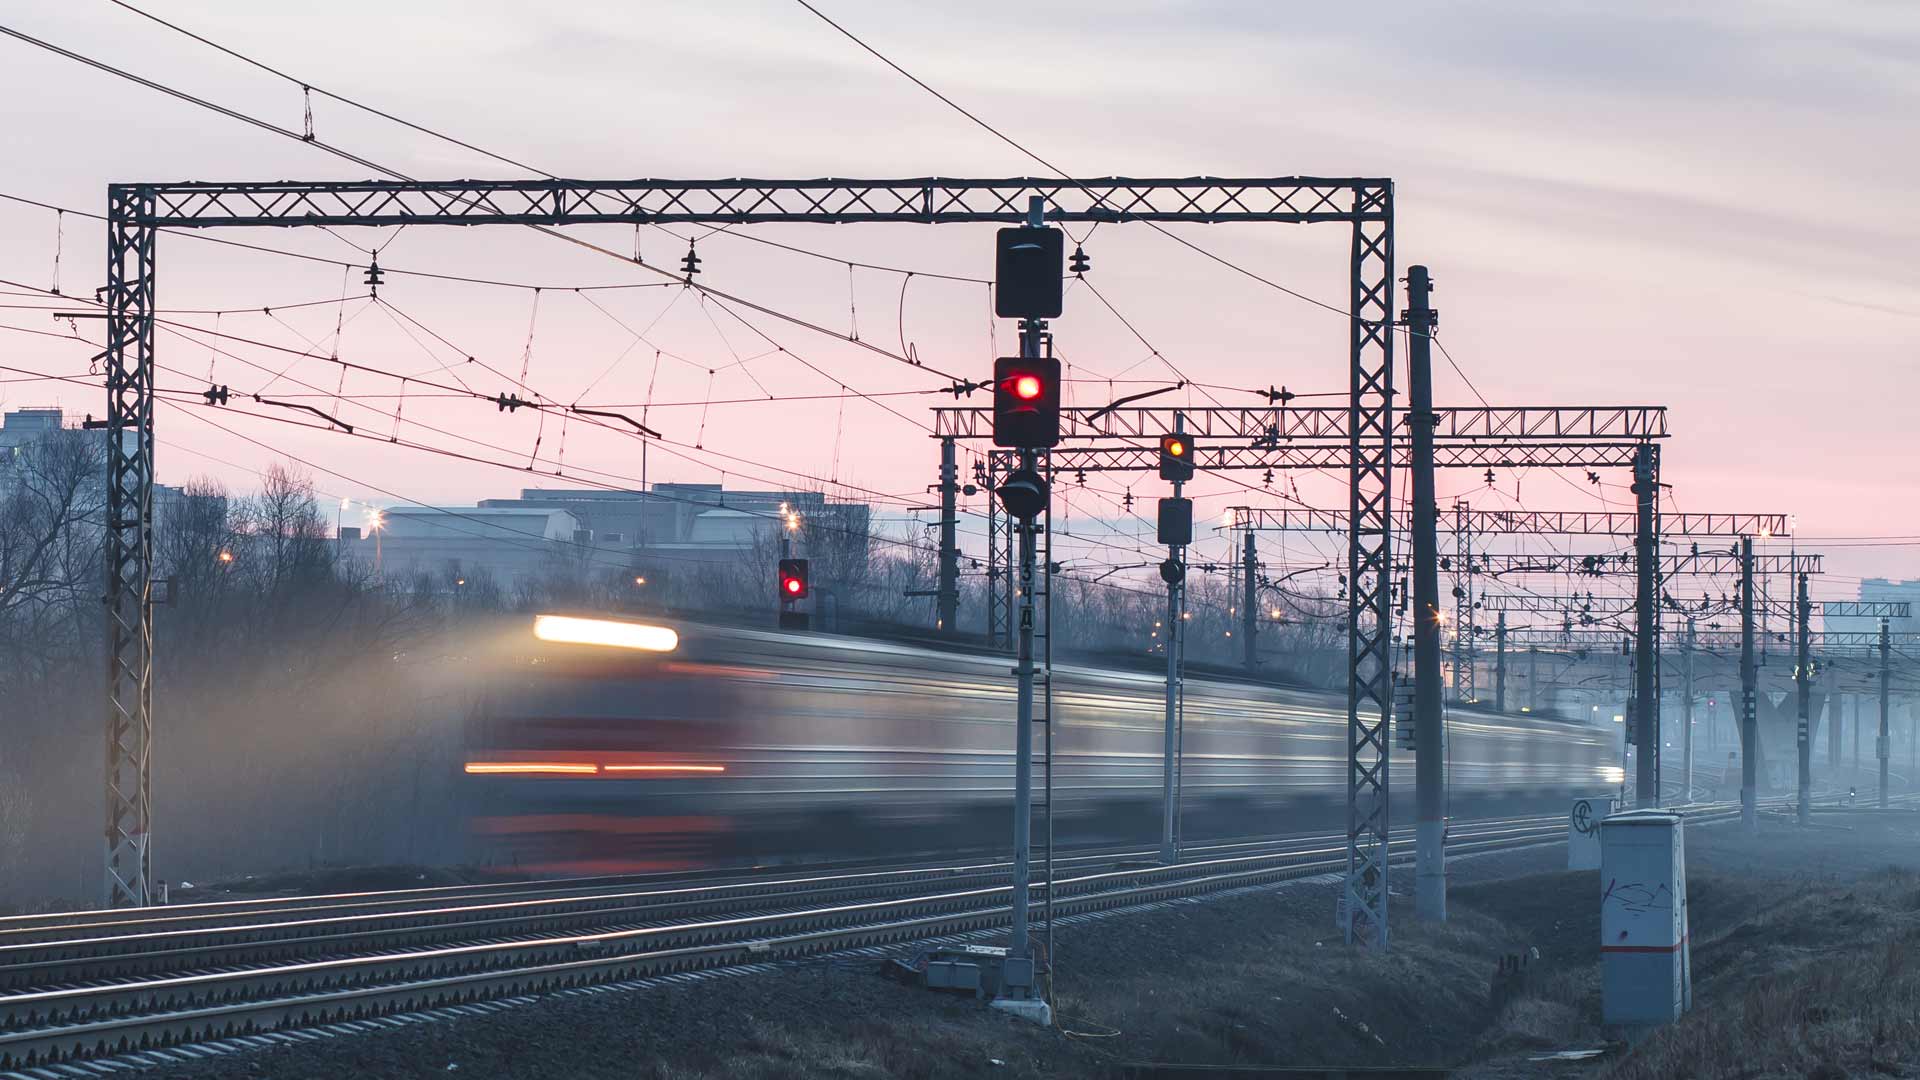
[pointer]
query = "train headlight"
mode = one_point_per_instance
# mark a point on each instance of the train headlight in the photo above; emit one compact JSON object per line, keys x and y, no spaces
{"x":568,"y":630}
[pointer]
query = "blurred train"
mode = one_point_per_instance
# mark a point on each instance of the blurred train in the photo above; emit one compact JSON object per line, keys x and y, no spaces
{"x":602,"y":746}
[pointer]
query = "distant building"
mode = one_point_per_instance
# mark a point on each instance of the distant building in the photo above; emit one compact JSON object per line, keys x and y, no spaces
{"x":22,"y":428}
{"x":1881,"y":589}
{"x":702,"y":522}
{"x":510,"y":543}
{"x":600,"y":532}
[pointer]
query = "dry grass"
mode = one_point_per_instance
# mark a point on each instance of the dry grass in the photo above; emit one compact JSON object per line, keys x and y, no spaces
{"x":1828,"y":984}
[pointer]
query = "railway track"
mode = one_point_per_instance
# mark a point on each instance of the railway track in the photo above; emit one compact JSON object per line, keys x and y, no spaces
{"x":96,"y":983}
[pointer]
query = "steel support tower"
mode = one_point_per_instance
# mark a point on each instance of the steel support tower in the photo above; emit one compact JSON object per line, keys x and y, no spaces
{"x":129,"y":546}
{"x":1466,"y":680}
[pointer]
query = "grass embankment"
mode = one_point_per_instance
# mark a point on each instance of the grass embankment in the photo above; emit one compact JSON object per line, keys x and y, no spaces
{"x":1807,"y":962}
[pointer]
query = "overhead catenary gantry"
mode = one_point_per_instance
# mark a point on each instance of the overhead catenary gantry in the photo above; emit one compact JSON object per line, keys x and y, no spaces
{"x":137,"y":213}
{"x":1317,"y":438}
{"x":1603,"y":605}
{"x":1703,"y":563}
{"x":1286,"y":437}
{"x":1644,"y":524}
{"x":1527,"y":522}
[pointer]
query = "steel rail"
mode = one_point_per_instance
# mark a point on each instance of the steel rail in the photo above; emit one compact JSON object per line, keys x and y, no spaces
{"x":53,"y":1025}
{"x":167,"y":944}
{"x":266,"y":912}
{"x":60,"y":1024}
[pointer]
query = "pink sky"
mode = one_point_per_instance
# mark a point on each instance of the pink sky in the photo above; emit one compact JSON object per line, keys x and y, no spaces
{"x":1710,"y":210}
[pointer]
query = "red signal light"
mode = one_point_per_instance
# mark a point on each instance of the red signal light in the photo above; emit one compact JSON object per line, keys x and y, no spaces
{"x":792,"y":580}
{"x":1026,"y":401}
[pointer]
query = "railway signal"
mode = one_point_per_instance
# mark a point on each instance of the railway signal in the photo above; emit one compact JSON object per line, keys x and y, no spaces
{"x":1027,"y":273}
{"x":1176,"y":522}
{"x":793,"y":580}
{"x":1176,"y":458}
{"x":1026,"y":402}
{"x":1024,"y":494}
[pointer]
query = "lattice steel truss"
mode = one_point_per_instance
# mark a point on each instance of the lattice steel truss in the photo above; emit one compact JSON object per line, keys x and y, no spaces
{"x":129,"y":546}
{"x":1466,"y":688}
{"x":1522,"y":424}
{"x":1830,"y":642}
{"x":1539,"y":603}
{"x":1369,"y":568}
{"x":1525,"y":522}
{"x":1364,"y":204}
{"x":1705,"y":564}
{"x":828,"y":201}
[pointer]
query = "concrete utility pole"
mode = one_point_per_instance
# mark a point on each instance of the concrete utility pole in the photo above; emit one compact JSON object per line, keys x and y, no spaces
{"x":947,"y":602}
{"x":1882,"y":745}
{"x":1170,"y":762}
{"x":1249,"y":599}
{"x":1500,"y":664}
{"x":1533,"y":678}
{"x":1836,"y":733}
{"x":1856,"y":736}
{"x":1803,"y":679}
{"x":1646,"y":685}
{"x":1749,"y":687}
{"x":1429,"y":773}
{"x":1686,"y":720}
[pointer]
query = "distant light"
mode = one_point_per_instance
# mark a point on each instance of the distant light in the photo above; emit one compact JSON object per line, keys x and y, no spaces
{"x":226,"y":556}
{"x":663,"y":768}
{"x":376,"y":519}
{"x":639,"y":581}
{"x":564,"y":629}
{"x":1525,"y":708}
{"x":459,"y":581}
{"x":1617,"y":718}
{"x":346,"y":504}
{"x":1276,"y":613}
